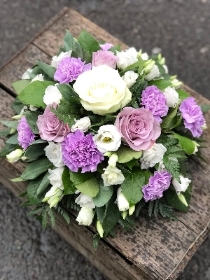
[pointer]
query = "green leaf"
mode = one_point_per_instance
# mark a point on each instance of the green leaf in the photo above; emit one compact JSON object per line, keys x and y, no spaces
{"x":43,"y":186}
{"x":170,"y":120}
{"x":8,"y":148}
{"x":115,"y":48}
{"x":5,"y":132}
{"x":112,"y":216}
{"x":47,"y":69}
{"x":13,"y":139}
{"x":35,"y":150}
{"x":69,"y":187}
{"x":139,"y":64}
{"x":12,"y":124}
{"x":179,"y":202}
{"x":132,"y":187}
{"x":32,"y":190}
{"x":17,"y":106}
{"x":182,"y":94}
{"x":161,"y":84}
{"x":69,"y":94}
{"x":187,"y":144}
{"x":104,"y":195}
{"x":126,"y":154}
{"x":20,"y":85}
{"x":205,"y":108}
{"x":172,"y":166}
{"x":88,"y":42}
{"x":96,"y":239}
{"x":32,"y":117}
{"x":68,"y":42}
{"x":36,"y":168}
{"x":33,"y":94}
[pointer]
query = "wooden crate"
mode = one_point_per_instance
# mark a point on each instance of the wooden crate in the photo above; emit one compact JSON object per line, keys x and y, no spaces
{"x":154,"y":248}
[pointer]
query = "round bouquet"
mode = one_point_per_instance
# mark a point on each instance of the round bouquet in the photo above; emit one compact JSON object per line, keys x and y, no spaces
{"x":104,"y":132}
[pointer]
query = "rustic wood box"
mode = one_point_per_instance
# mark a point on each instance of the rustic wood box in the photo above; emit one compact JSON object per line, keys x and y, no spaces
{"x":155,"y":248}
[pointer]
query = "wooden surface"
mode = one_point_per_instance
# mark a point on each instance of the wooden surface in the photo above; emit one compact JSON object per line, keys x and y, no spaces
{"x":155,"y":248}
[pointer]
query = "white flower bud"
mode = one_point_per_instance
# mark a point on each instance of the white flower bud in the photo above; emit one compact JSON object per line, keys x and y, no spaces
{"x":175,"y":82}
{"x":14,"y":155}
{"x":26,"y":74}
{"x":152,"y":156}
{"x":196,"y":147}
{"x":172,"y":97}
{"x":33,"y":108}
{"x":143,"y":56}
{"x":52,"y":95}
{"x":56,"y":59}
{"x":100,"y":228}
{"x":122,"y":202}
{"x":131,"y":210}
{"x":130,"y":78}
{"x":112,"y":176}
{"x":82,"y":124}
{"x":85,"y":216}
{"x":113,"y":160}
{"x":148,"y":65}
{"x":38,"y":77}
{"x":53,"y":196}
{"x":181,"y":187}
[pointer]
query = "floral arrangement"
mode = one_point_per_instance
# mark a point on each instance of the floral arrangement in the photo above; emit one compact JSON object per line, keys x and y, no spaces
{"x":104,"y":132}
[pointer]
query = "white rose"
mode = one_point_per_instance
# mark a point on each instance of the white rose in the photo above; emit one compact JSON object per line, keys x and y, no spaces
{"x":172,"y":97}
{"x":126,"y":58}
{"x":108,"y":138}
{"x":112,"y":176}
{"x":55,"y":177}
{"x":102,"y":90}
{"x":85,"y":216}
{"x":154,"y":73}
{"x":25,"y":75}
{"x":82,"y":124}
{"x":56,"y":59}
{"x":53,"y":153}
{"x":52,"y":95}
{"x":181,"y":187}
{"x":122,"y":202}
{"x":85,"y":201}
{"x":130,"y":78}
{"x":53,"y":196}
{"x":14,"y":155}
{"x":152,"y":156}
{"x":38,"y":77}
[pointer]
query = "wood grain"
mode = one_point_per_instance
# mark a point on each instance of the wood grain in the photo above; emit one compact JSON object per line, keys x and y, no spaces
{"x":155,"y":248}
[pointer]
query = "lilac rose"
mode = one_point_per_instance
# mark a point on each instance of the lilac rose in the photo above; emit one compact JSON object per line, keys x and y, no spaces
{"x":50,"y":127}
{"x":104,"y":57}
{"x":139,"y":128}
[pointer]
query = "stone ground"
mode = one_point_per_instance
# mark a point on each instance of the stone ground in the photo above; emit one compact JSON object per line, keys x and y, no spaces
{"x":181,"y":29}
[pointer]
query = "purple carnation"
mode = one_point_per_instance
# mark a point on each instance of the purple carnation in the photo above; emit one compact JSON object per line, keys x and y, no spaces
{"x":69,"y":69}
{"x":157,"y":185}
{"x":25,"y":134}
{"x":79,"y":151}
{"x":106,"y":46}
{"x":192,"y":115}
{"x":154,"y":101}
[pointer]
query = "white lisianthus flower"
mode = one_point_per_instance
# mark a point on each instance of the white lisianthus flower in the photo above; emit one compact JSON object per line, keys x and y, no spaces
{"x":102,"y":90}
{"x":85,"y":216}
{"x":53,"y":196}
{"x":144,"y":56}
{"x":25,"y":75}
{"x":154,"y":73}
{"x":181,"y":187}
{"x":112,"y":176}
{"x":152,"y":156}
{"x":82,"y":124}
{"x":52,"y":95}
{"x":122,"y":203}
{"x":14,"y":155}
{"x":108,"y":138}
{"x":85,"y":201}
{"x":130,"y":78}
{"x":38,"y":77}
{"x":53,"y":153}
{"x":56,"y":59}
{"x":55,"y":177}
{"x":126,"y":58}
{"x":172,"y":97}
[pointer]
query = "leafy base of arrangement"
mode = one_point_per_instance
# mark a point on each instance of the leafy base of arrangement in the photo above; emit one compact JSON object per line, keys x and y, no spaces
{"x":103,"y":132}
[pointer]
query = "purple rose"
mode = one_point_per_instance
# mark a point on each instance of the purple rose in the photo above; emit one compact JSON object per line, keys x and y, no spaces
{"x":79,"y":151}
{"x":192,"y":115}
{"x":69,"y":69}
{"x":106,"y":46}
{"x":138,"y":127}
{"x":50,"y":127}
{"x":157,"y":185}
{"x":154,"y":101}
{"x":25,"y":134}
{"x":104,"y":57}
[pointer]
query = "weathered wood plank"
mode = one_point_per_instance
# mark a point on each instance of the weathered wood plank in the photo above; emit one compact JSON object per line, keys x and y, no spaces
{"x":158,"y":248}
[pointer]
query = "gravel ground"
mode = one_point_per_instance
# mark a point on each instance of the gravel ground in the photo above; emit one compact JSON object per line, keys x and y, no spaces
{"x":181,"y":29}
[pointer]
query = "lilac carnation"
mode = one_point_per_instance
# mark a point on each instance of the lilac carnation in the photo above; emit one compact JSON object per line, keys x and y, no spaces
{"x":25,"y":134}
{"x":104,"y":57}
{"x":106,"y":46}
{"x":69,"y":69}
{"x":79,"y":151}
{"x":192,"y":115}
{"x":157,"y":185}
{"x":154,"y":101}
